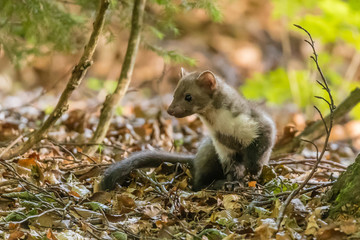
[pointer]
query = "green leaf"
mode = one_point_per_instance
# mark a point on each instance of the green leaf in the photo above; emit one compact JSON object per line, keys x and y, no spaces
{"x":119,"y":235}
{"x":119,"y":111}
{"x":96,"y":206}
{"x":110,"y":86}
{"x":94,"y":84}
{"x":30,"y":204}
{"x":212,"y":234}
{"x":48,"y":110}
{"x":15,"y":216}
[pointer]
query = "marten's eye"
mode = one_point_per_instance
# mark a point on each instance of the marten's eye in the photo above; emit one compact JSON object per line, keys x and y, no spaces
{"x":188,"y":97}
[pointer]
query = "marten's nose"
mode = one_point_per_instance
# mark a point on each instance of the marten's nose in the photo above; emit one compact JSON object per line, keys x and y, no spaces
{"x":170,"y":111}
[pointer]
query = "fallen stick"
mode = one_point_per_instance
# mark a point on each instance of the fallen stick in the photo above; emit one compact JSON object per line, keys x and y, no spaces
{"x":316,"y":130}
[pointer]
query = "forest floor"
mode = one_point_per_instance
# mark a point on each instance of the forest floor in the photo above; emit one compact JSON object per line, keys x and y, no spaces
{"x":51,"y":191}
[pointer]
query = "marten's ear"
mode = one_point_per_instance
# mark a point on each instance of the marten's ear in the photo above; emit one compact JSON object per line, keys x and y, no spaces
{"x":183,"y":72}
{"x":207,"y":80}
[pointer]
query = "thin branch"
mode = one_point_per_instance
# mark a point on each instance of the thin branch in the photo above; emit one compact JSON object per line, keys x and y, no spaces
{"x":322,"y":85}
{"x":323,"y":99}
{"x":284,"y":161}
{"x":283,"y":194}
{"x":327,"y":128}
{"x":11,"y":145}
{"x":65,"y":150}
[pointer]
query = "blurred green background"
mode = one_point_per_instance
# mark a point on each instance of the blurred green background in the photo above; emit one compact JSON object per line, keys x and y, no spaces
{"x":251,"y":43}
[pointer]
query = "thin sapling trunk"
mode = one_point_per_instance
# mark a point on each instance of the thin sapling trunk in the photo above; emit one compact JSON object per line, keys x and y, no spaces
{"x":113,"y":99}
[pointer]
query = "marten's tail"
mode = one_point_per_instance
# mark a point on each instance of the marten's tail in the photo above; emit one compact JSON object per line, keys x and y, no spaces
{"x":145,"y":159}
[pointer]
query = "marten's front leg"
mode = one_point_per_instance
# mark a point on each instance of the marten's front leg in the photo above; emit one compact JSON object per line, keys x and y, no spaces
{"x":257,"y":154}
{"x":206,"y":167}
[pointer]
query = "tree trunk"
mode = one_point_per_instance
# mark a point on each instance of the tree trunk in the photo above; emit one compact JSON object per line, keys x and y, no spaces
{"x":77,"y":75}
{"x":316,"y":130}
{"x":113,"y":99}
{"x":345,"y":194}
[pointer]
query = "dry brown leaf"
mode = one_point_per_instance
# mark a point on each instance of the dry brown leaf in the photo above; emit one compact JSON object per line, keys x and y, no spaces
{"x":13,"y":226}
{"x":153,"y":210}
{"x":231,"y":201}
{"x":312,"y":226}
{"x":27,"y":162}
{"x":126,"y":200}
{"x":331,"y":232}
{"x":73,"y":193}
{"x":349,"y":226}
{"x":266,"y":229}
{"x":252,"y":184}
{"x":289,"y":133}
{"x":16,"y":235}
{"x":50,"y":235}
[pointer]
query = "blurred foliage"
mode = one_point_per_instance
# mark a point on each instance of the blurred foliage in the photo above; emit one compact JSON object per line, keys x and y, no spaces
{"x":172,"y":56}
{"x":98,"y":84}
{"x":330,"y":21}
{"x":160,"y":22}
{"x":35,"y":27}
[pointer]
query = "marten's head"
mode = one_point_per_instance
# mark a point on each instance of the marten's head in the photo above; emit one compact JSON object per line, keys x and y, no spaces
{"x":193,"y":93}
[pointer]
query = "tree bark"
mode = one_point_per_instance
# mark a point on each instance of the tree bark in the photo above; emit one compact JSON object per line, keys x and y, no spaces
{"x":77,"y":75}
{"x":346,"y":191}
{"x":113,"y":99}
{"x":316,"y":130}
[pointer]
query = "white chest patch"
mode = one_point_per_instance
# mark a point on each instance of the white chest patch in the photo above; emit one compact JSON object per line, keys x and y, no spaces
{"x":242,"y":127}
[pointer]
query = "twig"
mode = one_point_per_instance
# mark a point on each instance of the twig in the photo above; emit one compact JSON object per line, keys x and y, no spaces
{"x":283,"y":194}
{"x":22,"y":180}
{"x":292,"y":161}
{"x":11,"y":145}
{"x":160,"y":188}
{"x":9,"y":182}
{"x":90,"y":158}
{"x":65,"y":150}
{"x":328,"y":128}
{"x":85,"y":165}
{"x":39,"y":215}
{"x":92,"y":144}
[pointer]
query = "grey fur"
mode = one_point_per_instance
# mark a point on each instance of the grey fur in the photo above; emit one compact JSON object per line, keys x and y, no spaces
{"x":229,"y":141}
{"x":118,"y":172}
{"x":206,"y":166}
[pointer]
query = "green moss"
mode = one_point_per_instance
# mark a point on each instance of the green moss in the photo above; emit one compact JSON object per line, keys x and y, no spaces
{"x":345,"y":194}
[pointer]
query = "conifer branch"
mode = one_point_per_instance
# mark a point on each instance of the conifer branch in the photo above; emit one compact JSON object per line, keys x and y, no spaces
{"x":113,"y":99}
{"x":77,"y":75}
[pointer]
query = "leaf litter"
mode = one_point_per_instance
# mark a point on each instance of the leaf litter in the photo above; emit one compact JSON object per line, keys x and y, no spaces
{"x":52,"y":191}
